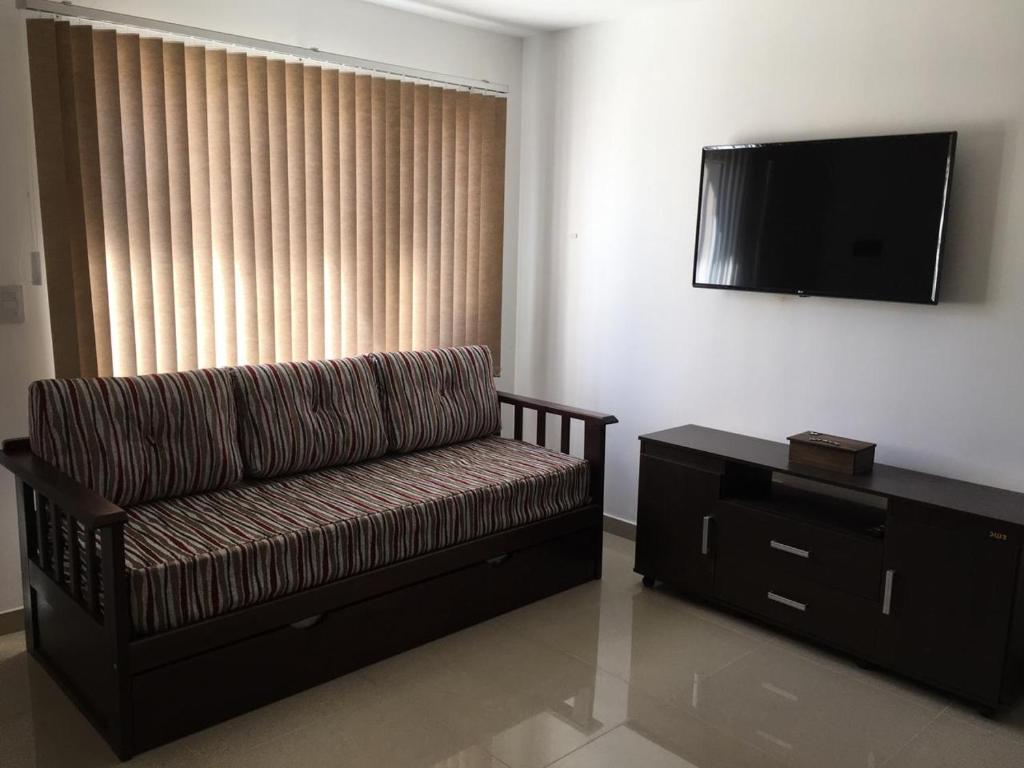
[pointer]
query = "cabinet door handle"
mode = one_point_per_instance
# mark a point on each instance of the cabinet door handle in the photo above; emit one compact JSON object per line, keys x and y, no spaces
{"x":804,"y":553}
{"x":705,"y":536}
{"x":787,"y":601}
{"x":887,"y":592}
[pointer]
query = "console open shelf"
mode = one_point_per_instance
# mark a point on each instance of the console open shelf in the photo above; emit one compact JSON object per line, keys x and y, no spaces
{"x":819,"y":509}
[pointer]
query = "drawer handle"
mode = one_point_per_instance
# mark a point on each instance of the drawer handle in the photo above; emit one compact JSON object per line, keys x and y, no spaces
{"x":787,"y":602}
{"x":705,"y":536}
{"x":499,"y":559}
{"x":308,"y":622}
{"x":804,"y":553}
{"x":887,"y":594}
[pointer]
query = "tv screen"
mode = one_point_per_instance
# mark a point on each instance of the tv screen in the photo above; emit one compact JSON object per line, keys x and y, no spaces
{"x":856,"y":218}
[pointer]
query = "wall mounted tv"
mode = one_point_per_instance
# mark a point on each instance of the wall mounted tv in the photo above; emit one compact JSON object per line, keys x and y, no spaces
{"x":856,"y":218}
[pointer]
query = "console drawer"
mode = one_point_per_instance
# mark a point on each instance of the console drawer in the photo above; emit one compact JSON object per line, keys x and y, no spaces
{"x":844,"y":621}
{"x":847,"y":562}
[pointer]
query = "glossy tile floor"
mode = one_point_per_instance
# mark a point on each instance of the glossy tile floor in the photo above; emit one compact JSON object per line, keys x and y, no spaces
{"x":608,"y":674}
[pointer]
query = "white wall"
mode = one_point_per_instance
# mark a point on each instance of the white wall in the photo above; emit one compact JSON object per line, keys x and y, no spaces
{"x":341,"y":26}
{"x":614,"y":121}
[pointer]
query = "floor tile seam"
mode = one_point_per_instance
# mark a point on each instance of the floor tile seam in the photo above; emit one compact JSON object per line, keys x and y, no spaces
{"x":581,"y":746}
{"x":552,"y":647}
{"x":913,"y":738}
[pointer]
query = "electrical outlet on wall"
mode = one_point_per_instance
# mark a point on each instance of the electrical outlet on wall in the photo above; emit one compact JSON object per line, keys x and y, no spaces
{"x":12,"y":304}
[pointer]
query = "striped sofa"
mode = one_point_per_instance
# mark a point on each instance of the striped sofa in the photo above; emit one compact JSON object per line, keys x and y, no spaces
{"x":236,"y":494}
{"x":246,"y":484}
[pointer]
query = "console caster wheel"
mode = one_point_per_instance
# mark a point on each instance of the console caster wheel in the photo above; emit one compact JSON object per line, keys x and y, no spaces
{"x":648,"y":581}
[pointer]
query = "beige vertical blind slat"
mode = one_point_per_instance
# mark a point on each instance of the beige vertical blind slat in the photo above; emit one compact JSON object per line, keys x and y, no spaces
{"x":209,"y":208}
{"x":406,"y":173}
{"x":364,"y":215}
{"x":262,"y":208}
{"x":66,"y":321}
{"x":199,"y":189}
{"x":154,"y":122}
{"x":349,"y":211}
{"x":125,"y":248}
{"x":420,"y":167}
{"x":447,"y":220}
{"x":434,"y":148}
{"x":492,"y":230}
{"x":314,"y":213}
{"x":331,"y":214}
{"x":221,"y":219}
{"x":295,"y":111}
{"x":243,"y":241}
{"x":472,"y":276}
{"x":378,"y":171}
{"x":125,"y":192}
{"x":82,"y":95}
{"x":179,"y":207}
{"x":392,"y":213}
{"x":461,"y":218}
{"x":280,"y":213}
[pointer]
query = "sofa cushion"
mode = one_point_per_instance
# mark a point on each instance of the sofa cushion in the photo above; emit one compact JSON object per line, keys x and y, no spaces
{"x":200,"y":556}
{"x":138,"y":438}
{"x":438,"y":396}
{"x":295,"y":417}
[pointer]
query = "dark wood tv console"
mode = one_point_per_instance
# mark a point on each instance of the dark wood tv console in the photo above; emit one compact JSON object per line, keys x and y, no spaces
{"x":914,"y":573}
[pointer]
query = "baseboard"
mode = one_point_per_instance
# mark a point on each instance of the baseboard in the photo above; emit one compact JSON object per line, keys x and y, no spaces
{"x":11,"y":621}
{"x":616,"y":525}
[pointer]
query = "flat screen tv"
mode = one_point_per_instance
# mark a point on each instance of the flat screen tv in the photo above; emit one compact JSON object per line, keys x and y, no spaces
{"x":855,"y":218}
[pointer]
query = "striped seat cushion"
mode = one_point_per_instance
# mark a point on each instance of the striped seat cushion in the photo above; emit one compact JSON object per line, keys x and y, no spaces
{"x":438,"y":396}
{"x":139,"y":438}
{"x":200,"y":556}
{"x":295,"y":417}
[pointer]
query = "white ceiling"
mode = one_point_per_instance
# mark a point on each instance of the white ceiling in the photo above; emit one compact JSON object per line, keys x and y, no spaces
{"x":522,"y":17}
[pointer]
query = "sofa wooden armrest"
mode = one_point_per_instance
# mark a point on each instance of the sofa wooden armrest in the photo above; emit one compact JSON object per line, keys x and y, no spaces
{"x":594,"y":425}
{"x":556,"y":408}
{"x":84,"y":504}
{"x":71,"y":542}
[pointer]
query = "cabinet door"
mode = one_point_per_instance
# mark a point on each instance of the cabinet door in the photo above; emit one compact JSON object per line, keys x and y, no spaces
{"x":673,"y":535}
{"x":950,"y":599}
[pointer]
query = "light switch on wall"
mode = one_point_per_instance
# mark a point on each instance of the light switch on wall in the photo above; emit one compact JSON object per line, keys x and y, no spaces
{"x":12,"y":304}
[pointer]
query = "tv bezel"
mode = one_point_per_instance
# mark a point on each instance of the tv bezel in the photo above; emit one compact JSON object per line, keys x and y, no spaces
{"x":940,"y":246}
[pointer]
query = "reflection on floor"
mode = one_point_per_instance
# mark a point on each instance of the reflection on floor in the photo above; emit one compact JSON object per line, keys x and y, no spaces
{"x":608,"y":674}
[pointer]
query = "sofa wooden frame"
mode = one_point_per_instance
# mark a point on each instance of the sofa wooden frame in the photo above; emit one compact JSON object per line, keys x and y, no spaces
{"x":140,"y":692}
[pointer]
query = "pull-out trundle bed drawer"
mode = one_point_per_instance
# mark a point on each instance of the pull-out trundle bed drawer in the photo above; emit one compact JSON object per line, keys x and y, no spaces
{"x":290,"y":658}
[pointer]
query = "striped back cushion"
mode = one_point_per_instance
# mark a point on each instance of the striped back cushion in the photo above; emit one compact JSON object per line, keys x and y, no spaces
{"x":139,"y":438}
{"x":295,"y":417}
{"x":438,"y":396}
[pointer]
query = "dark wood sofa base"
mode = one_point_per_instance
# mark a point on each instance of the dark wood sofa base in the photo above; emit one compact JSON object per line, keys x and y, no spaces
{"x":223,"y":668}
{"x":501,"y":575}
{"x":142,"y":692}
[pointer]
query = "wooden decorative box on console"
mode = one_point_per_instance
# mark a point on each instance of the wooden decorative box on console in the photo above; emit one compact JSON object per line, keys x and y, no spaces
{"x":839,"y":454}
{"x":914,"y":573}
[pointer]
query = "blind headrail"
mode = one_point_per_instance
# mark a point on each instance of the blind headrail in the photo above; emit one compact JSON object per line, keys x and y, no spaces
{"x":200,"y":34}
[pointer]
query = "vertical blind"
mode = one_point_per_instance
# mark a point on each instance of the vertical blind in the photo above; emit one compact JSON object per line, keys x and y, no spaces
{"x":202,"y":207}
